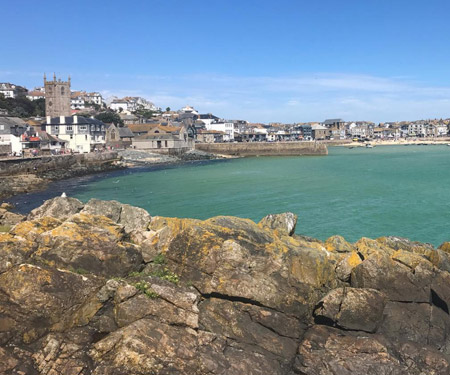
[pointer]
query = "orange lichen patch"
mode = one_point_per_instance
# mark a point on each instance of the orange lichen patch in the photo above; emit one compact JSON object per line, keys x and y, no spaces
{"x":87,"y":221}
{"x":445,"y":247}
{"x":9,"y":242}
{"x":35,"y":227}
{"x":409,"y":259}
{"x":354,"y":259}
{"x":312,"y":268}
{"x":367,"y":246}
{"x":339,"y":244}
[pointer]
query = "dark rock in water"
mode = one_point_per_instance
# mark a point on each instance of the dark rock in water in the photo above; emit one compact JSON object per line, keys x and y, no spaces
{"x":106,"y":289}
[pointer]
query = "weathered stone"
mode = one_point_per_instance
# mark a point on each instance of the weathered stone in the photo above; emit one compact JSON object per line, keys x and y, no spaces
{"x":345,"y":267}
{"x":398,"y":243}
{"x":132,"y":218}
{"x":329,"y":351}
{"x":352,"y":308}
{"x":110,"y":209}
{"x":147,"y":347}
{"x":58,"y":208}
{"x":40,"y":298}
{"x":88,"y":243}
{"x":284,"y":223}
{"x":10,"y":218}
{"x":229,"y":319}
{"x":258,"y":301}
{"x":339,"y":244}
{"x":416,"y":322}
{"x":398,"y":281}
{"x":14,"y":250}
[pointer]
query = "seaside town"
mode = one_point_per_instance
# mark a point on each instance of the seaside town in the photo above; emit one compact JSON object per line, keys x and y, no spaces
{"x":54,"y":119}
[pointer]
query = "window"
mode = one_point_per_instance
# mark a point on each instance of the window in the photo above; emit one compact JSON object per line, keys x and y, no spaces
{"x":62,"y":90}
{"x":71,"y":136}
{"x":165,"y":143}
{"x":69,"y":128}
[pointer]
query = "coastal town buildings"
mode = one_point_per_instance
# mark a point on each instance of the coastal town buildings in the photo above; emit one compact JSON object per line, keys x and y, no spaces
{"x":82,"y":134}
{"x":166,"y":139}
{"x":10,"y":90}
{"x":118,"y":137}
{"x":223,"y":126}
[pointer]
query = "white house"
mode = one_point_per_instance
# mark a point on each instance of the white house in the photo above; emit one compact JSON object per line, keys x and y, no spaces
{"x":223,"y":126}
{"x":82,"y":134}
{"x":10,"y":90}
{"x":35,"y":95}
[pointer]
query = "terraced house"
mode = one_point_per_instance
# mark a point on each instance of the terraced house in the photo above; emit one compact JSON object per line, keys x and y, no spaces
{"x":83,"y":134}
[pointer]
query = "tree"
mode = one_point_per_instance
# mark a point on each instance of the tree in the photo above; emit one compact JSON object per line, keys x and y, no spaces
{"x":168,"y":109}
{"x":109,"y":117}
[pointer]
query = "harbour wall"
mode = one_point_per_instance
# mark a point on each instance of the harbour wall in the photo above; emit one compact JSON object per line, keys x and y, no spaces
{"x":19,"y":175}
{"x":60,"y":163}
{"x":264,"y":148}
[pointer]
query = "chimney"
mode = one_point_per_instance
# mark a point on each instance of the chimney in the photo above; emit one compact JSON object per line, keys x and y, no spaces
{"x":62,"y":119}
{"x":75,"y":119}
{"x":49,"y":119}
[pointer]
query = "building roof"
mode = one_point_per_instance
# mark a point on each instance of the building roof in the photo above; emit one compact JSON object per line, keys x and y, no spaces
{"x":208,"y":116}
{"x":332,"y":121}
{"x":12,"y":125}
{"x":141,"y":128}
{"x":69,"y":120}
{"x":125,"y":133}
{"x":318,"y":127}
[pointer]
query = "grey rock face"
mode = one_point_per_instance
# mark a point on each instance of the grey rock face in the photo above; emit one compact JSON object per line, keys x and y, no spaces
{"x":285,"y":223}
{"x":59,"y":208}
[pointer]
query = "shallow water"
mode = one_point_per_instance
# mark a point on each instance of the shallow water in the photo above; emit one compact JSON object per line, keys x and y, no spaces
{"x":398,"y":190}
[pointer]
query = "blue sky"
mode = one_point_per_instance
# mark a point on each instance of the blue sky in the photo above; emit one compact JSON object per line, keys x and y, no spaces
{"x":263,"y":61}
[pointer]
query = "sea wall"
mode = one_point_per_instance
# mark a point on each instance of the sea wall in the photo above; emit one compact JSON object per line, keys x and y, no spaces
{"x":30,"y":174}
{"x":264,"y":148}
{"x":51,"y":163}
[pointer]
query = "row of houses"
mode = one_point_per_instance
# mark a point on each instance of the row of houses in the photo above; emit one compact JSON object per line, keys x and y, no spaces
{"x":82,"y":134}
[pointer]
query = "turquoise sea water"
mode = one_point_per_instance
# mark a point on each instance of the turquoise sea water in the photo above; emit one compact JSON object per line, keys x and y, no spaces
{"x":401,"y":191}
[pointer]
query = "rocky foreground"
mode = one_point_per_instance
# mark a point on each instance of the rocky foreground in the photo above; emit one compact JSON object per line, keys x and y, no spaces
{"x":106,"y":289}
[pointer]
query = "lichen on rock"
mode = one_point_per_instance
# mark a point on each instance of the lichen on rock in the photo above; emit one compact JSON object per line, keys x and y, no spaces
{"x":104,"y":288}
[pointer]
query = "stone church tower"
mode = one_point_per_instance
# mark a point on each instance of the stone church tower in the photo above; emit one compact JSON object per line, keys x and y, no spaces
{"x":57,"y":97}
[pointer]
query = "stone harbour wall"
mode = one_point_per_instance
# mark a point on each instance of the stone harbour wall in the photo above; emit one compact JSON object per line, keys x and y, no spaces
{"x":54,"y":163}
{"x":30,"y":174}
{"x":265,"y":148}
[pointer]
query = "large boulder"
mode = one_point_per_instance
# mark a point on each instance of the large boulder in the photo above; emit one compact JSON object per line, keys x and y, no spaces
{"x":132,"y":218}
{"x":87,"y":243}
{"x":58,"y":208}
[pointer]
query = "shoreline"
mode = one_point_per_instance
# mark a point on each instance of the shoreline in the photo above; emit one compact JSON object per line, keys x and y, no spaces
{"x":393,"y":143}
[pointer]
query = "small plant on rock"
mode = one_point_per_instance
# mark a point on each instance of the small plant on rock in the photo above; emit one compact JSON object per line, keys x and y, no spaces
{"x":146,"y":289}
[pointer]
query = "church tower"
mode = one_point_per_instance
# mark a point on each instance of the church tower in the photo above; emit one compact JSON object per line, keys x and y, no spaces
{"x":57,"y":97}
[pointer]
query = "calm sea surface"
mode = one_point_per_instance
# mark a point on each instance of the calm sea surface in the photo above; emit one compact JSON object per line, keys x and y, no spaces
{"x":402,"y":191}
